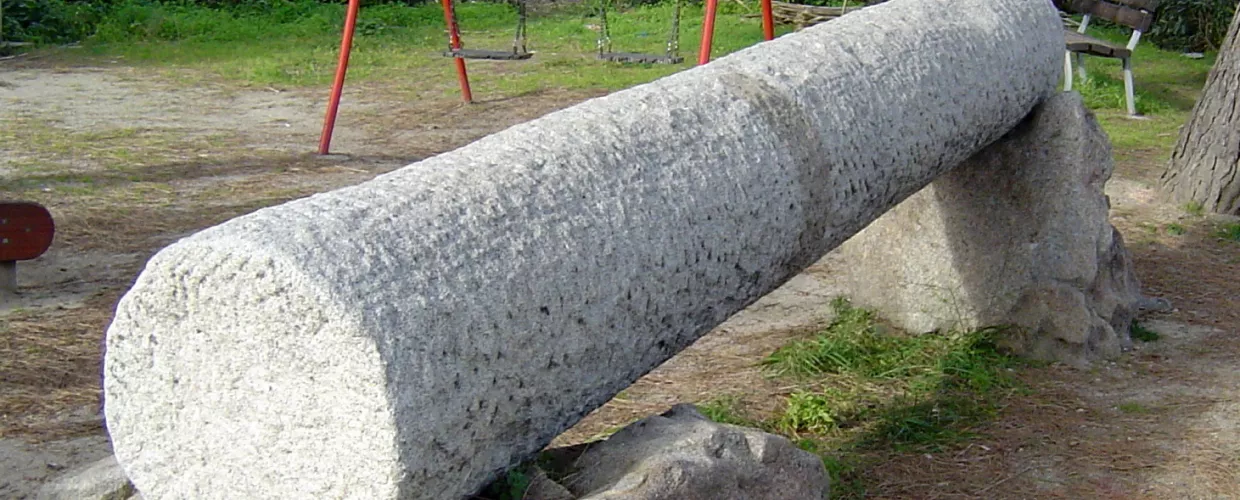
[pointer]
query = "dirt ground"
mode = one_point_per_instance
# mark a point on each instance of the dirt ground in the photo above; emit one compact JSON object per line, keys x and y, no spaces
{"x":128,"y":161}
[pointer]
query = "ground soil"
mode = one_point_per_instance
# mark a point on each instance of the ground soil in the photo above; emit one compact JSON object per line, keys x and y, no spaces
{"x":129,"y":160}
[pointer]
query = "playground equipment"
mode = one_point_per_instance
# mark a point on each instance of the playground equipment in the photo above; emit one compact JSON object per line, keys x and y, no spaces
{"x":455,"y":48}
{"x":26,"y":231}
{"x":457,"y":51}
{"x":333,"y":102}
{"x":670,"y":56}
{"x":708,"y":27}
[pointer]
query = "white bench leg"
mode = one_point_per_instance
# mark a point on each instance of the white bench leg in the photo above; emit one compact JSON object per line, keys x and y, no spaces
{"x":1128,"y":92}
{"x":1080,"y":66}
{"x":1067,"y":71}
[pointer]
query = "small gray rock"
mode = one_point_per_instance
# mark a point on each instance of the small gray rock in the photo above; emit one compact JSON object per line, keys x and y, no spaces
{"x":682,"y":455}
{"x":101,"y":480}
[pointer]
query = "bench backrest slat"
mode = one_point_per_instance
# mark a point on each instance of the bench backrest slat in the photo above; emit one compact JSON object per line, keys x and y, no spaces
{"x":1135,"y":14}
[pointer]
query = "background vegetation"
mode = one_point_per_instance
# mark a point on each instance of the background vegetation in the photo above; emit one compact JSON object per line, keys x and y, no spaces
{"x":1184,"y":25}
{"x":1192,"y":25}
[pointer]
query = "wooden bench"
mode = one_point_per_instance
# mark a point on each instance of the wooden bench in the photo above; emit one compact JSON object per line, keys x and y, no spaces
{"x":26,"y":231}
{"x":1135,"y":14}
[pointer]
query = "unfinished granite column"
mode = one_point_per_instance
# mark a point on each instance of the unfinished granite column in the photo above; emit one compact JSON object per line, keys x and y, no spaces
{"x":412,"y":336}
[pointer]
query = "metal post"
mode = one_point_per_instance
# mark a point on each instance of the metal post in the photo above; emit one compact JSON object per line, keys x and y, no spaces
{"x":333,"y":104}
{"x":8,"y":277}
{"x":708,"y":31}
{"x":1129,"y":98}
{"x":768,"y":21}
{"x":454,"y":43}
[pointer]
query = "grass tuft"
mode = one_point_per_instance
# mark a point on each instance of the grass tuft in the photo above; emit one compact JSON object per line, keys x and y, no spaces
{"x":1229,"y":231}
{"x":1140,"y":332}
{"x":864,"y":387}
{"x":811,"y":412}
{"x":725,"y":410}
{"x":930,"y":425}
{"x":853,"y":344}
{"x":511,"y":486}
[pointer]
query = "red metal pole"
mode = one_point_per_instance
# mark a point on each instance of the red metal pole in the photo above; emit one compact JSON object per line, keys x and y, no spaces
{"x":329,"y":123}
{"x":454,"y":41}
{"x":768,"y":21}
{"x":708,"y":31}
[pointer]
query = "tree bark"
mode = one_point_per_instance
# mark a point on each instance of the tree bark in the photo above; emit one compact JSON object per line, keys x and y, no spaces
{"x":1205,"y":167}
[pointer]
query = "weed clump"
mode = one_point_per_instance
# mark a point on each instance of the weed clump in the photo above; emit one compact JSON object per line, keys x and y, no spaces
{"x":1139,"y":332}
{"x":1230,"y":232}
{"x":862,"y":387}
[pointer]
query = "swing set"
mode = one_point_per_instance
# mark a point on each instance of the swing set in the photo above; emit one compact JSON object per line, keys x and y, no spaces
{"x":459,"y":53}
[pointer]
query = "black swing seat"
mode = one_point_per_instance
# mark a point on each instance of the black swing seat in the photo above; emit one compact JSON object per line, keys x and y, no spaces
{"x":497,"y":55}
{"x":633,"y":57}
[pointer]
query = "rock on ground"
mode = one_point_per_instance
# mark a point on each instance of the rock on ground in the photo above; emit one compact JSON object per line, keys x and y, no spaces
{"x":682,"y":455}
{"x":99,"y":480}
{"x":1017,"y":235}
{"x":25,"y":466}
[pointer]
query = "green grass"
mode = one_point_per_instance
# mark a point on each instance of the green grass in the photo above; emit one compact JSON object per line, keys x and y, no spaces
{"x":864,"y":388}
{"x":725,"y":410}
{"x":1229,"y":231}
{"x":1195,"y":208}
{"x":512,"y":486}
{"x":1164,"y":80}
{"x":1175,"y":229}
{"x":1167,"y":85}
{"x":1140,"y":332}
{"x":1133,"y":408}
{"x":47,"y":157}
{"x":813,"y":412}
{"x":296,"y":44}
{"x":401,"y":45}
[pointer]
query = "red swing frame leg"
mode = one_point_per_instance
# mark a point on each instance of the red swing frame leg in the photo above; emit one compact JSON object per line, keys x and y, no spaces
{"x":333,"y":103}
{"x":768,"y":21}
{"x":454,"y":41}
{"x":708,"y":27}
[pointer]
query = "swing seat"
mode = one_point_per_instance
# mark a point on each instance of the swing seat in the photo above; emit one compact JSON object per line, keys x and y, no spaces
{"x":633,"y":57}
{"x":495,"y":55}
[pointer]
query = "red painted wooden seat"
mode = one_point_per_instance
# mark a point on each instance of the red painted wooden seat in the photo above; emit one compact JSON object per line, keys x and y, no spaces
{"x":26,"y":231}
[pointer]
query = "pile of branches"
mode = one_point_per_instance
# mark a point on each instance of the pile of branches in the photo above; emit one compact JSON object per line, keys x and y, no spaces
{"x":804,"y":16}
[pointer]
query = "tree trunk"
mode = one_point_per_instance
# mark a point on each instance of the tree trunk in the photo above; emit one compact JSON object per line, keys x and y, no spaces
{"x":1205,"y":167}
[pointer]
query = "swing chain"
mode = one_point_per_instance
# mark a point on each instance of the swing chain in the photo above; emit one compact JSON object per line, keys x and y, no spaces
{"x":673,"y":40}
{"x":604,"y":34}
{"x":519,"y":40}
{"x":455,"y":27}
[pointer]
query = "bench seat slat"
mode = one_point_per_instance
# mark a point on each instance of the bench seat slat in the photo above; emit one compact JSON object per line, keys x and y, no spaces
{"x":1077,"y":42}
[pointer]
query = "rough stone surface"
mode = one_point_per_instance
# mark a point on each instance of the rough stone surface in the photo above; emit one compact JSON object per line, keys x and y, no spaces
{"x":412,"y":336}
{"x":101,"y":480}
{"x":681,"y":455}
{"x":543,"y":488}
{"x":1019,"y":234}
{"x":25,"y":467}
